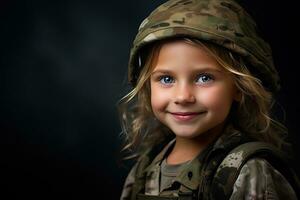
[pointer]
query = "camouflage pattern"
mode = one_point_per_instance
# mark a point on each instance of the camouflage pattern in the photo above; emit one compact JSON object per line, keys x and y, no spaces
{"x":128,"y":185}
{"x":260,"y":181}
{"x":222,"y":22}
{"x":257,"y":179}
{"x":263,"y":181}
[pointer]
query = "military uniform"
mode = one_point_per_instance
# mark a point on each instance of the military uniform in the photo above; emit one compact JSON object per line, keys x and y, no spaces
{"x":257,"y":179}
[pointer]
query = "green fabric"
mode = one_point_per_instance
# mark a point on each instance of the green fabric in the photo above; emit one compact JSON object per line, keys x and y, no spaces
{"x":168,"y":174}
{"x":229,"y":169}
{"x":213,"y":176}
{"x":222,"y":22}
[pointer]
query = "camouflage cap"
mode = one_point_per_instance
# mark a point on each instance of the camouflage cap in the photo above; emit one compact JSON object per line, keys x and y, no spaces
{"x":223,"y":22}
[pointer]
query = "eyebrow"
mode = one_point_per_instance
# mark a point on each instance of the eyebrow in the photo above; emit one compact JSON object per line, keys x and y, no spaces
{"x":168,"y":71}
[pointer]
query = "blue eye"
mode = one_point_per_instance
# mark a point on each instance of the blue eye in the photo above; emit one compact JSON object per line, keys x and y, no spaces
{"x":204,"y":78}
{"x":166,"y":80}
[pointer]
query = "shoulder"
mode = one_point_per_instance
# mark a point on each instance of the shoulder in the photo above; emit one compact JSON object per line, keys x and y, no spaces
{"x":127,"y":187}
{"x":144,"y":163}
{"x":258,"y":179}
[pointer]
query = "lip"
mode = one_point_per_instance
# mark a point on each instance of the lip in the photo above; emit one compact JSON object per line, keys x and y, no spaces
{"x":185,"y":116}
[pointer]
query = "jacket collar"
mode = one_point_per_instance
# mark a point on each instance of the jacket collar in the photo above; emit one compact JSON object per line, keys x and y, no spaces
{"x":190,"y":175}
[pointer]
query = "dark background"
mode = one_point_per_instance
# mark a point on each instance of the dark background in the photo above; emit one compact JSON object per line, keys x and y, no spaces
{"x":62,"y":71}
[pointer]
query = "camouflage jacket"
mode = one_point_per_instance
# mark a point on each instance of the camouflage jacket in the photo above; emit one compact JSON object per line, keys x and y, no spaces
{"x":258,"y":179}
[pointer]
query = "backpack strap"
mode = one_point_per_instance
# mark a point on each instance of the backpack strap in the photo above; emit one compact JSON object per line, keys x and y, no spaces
{"x":229,"y":169}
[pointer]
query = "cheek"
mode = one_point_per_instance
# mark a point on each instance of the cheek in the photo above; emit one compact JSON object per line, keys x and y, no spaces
{"x":159,"y":99}
{"x":217,"y":99}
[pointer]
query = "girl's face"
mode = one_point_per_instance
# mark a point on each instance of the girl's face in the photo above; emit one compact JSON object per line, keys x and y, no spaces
{"x":190,"y":92}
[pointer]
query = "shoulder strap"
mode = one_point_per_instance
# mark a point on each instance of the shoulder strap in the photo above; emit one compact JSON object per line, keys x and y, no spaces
{"x":229,"y":169}
{"x":142,"y":163}
{"x":139,"y":183}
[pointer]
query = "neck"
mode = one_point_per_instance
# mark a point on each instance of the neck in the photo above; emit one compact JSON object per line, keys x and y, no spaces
{"x":186,"y":149}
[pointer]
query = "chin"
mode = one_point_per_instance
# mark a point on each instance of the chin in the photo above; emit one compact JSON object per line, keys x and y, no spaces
{"x":186,"y":134}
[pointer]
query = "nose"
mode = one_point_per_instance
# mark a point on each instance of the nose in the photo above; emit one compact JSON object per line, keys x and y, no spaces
{"x":184,"y":94}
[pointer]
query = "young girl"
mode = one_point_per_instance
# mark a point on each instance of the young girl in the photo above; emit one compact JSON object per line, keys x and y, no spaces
{"x":203,"y":83}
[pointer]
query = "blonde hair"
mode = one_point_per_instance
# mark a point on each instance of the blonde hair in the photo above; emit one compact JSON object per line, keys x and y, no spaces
{"x":250,"y":115}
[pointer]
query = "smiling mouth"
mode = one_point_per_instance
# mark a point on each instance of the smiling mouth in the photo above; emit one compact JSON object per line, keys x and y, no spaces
{"x":186,"y":116}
